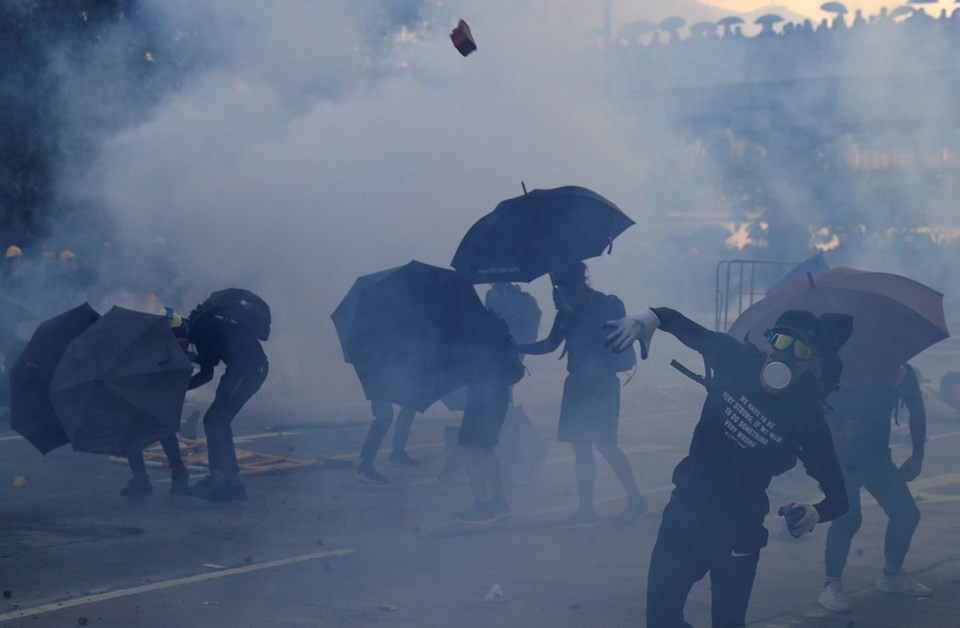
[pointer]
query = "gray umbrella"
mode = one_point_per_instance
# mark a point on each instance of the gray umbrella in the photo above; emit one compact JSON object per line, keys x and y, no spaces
{"x":121,"y":383}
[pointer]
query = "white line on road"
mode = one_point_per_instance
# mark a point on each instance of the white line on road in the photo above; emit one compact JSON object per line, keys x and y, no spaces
{"x":157,"y":586}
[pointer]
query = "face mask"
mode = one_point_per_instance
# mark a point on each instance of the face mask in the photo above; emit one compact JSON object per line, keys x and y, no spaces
{"x":777,"y":375}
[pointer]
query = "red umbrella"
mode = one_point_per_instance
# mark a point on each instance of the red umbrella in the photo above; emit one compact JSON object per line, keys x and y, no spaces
{"x":894,"y":317}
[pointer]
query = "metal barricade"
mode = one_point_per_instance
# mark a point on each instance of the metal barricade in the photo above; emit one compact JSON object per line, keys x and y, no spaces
{"x":741,"y":283}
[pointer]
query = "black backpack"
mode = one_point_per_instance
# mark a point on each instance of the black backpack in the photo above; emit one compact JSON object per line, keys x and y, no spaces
{"x":625,"y":360}
{"x":243,"y":306}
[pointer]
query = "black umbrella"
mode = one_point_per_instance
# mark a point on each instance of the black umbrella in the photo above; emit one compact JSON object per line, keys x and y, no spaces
{"x":12,"y":313}
{"x":343,"y":315}
{"x":121,"y":383}
{"x":411,"y":332}
{"x":31,"y":413}
{"x":542,"y":231}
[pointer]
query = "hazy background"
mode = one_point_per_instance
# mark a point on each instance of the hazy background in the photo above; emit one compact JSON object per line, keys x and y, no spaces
{"x":288,"y":147}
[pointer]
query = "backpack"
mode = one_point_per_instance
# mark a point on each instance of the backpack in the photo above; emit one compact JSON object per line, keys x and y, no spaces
{"x":626,"y":360}
{"x":243,"y":306}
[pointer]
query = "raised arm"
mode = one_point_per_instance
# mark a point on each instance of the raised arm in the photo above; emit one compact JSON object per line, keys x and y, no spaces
{"x":551,"y":342}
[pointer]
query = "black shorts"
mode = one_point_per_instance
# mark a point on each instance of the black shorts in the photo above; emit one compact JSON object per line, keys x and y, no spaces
{"x":590,"y":409}
{"x":484,"y":415}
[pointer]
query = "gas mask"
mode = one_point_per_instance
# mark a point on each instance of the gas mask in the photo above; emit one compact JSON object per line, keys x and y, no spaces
{"x":787,"y":363}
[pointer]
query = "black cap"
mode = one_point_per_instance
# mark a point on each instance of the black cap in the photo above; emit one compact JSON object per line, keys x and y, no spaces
{"x":802,"y":323}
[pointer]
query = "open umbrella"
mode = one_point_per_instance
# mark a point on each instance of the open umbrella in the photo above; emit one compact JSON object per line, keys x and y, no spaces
{"x":31,"y":413}
{"x":347,"y":309}
{"x":833,"y":7}
{"x":121,"y":383}
{"x":766,"y":23}
{"x":894,"y":318}
{"x":12,"y":313}
{"x":411,"y":332}
{"x":543,"y":230}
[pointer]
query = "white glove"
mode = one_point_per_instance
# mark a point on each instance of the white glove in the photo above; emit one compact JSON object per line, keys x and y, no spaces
{"x":632,"y":327}
{"x":801,"y":518}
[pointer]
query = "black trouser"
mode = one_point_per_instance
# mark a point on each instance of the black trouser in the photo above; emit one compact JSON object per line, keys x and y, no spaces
{"x":171,"y":447}
{"x":236,"y":387}
{"x":695,"y":538}
{"x":875,"y":471}
{"x":382,"y":418}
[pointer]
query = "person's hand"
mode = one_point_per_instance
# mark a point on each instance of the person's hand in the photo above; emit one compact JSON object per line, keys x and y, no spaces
{"x":639,"y":327}
{"x":800,"y":518}
{"x":911,"y":468}
{"x":560,"y":302}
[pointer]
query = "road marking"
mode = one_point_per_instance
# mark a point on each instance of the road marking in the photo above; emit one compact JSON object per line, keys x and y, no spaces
{"x":947,"y":435}
{"x":176,"y":582}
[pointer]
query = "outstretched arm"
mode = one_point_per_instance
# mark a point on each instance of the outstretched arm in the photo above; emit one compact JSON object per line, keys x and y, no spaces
{"x":548,"y":344}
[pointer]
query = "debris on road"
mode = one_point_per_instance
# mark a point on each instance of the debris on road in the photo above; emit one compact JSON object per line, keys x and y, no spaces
{"x":387,"y":607}
{"x":19,"y":481}
{"x":495,"y":594}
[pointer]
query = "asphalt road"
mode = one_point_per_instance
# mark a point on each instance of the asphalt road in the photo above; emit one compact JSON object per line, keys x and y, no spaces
{"x":318,"y":548}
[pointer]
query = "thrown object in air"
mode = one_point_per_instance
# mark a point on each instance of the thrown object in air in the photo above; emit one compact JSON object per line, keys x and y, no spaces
{"x":462,"y":38}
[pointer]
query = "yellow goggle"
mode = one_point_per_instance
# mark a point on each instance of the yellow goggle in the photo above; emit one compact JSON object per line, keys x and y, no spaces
{"x":782,"y":342}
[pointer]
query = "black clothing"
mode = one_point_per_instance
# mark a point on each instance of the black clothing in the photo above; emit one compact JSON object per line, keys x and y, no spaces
{"x":382,"y":418}
{"x":590,"y":409}
{"x":860,"y":423}
{"x":692,"y":541}
{"x":861,"y":415}
{"x":745,"y":436}
{"x":171,"y":447}
{"x":218,"y":338}
{"x":491,"y":372}
{"x":486,"y":410}
{"x":582,"y":330}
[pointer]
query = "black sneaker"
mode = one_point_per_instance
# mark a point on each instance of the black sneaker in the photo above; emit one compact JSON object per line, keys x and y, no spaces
{"x":636,"y":506}
{"x":136,"y":487}
{"x":402,"y":459}
{"x":369,"y":474}
{"x":500,"y":507}
{"x":179,"y":481}
{"x":210,"y":490}
{"x":580,"y":519}
{"x":480,"y":512}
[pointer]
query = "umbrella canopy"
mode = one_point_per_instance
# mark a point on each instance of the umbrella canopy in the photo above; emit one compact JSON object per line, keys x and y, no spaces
{"x":542,"y":231}
{"x":894,"y":318}
{"x":345,"y":312}
{"x":31,"y":413}
{"x":12,"y":313}
{"x":121,"y":383}
{"x":411,"y":334}
{"x":833,"y":7}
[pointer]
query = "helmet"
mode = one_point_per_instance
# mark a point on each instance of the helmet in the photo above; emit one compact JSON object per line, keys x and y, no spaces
{"x":14,"y":251}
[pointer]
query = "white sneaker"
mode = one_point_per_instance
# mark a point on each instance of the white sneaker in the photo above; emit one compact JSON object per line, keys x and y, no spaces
{"x":833,"y":599}
{"x":903,"y":584}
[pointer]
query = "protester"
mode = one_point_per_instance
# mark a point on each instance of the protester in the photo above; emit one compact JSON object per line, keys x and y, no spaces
{"x":227,"y":327}
{"x":590,"y":408}
{"x":763,"y":410}
{"x":860,"y":424}
{"x":140,"y":484}
{"x":493,"y":366}
{"x":382,"y":418}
